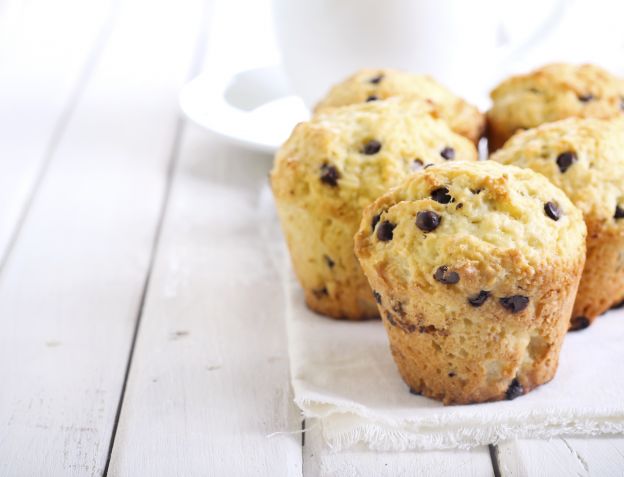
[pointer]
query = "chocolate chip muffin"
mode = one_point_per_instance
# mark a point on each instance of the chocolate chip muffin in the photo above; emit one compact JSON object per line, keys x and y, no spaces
{"x":475,"y":267}
{"x":380,"y":84}
{"x":585,"y":158}
{"x":551,"y":93}
{"x":330,"y":169}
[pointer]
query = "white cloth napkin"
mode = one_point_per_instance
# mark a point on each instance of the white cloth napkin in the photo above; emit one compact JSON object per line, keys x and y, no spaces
{"x":343,"y":373}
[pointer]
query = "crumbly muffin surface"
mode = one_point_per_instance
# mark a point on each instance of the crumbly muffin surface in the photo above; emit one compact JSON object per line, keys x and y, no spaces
{"x":380,"y":84}
{"x":475,"y":267}
{"x":330,"y":169}
{"x":551,"y":93}
{"x":585,"y":158}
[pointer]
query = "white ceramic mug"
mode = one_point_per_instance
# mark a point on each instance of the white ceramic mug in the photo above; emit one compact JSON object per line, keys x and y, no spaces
{"x":460,"y":42}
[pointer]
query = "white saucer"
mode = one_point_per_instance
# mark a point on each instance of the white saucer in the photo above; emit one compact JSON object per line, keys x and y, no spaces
{"x":252,"y":108}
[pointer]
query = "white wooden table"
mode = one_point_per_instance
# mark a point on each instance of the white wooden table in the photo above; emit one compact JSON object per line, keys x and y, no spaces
{"x":124,"y":349}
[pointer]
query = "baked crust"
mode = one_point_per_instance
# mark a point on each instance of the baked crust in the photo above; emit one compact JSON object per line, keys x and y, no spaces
{"x":550,"y":93}
{"x":323,"y":178}
{"x":462,"y":117}
{"x":476,"y":307}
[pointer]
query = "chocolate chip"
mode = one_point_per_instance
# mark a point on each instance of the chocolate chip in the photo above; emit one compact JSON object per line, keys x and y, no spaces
{"x":329,"y":175}
{"x":619,"y":212}
{"x":375,"y":221}
{"x":459,"y":206}
{"x":371,"y":147}
{"x":448,"y":153}
{"x":585,"y":98}
{"x":476,"y":191}
{"x":377,"y":296}
{"x":565,"y":160}
{"x":398,"y":308}
{"x":320,"y":292}
{"x":416,"y":165}
{"x":579,"y":323}
{"x":330,"y":263}
{"x":390,"y":318}
{"x":441,"y":195}
{"x":427,"y":166}
{"x":479,"y":299}
{"x":443,"y":275}
{"x":414,"y":392}
{"x":385,"y":231}
{"x":377,"y":79}
{"x":552,"y":210}
{"x":515,"y":303}
{"x":372,"y":97}
{"x":427,"y":220}
{"x":452,"y":374}
{"x":514,"y":390}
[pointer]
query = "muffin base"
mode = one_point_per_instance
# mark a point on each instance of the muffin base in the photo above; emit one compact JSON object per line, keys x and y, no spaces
{"x":602,"y":283}
{"x":480,"y":354}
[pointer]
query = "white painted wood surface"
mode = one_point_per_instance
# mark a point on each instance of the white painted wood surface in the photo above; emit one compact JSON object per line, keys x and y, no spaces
{"x":209,"y":378}
{"x":90,"y":132}
{"x":598,"y":456}
{"x":43,"y":70}
{"x":319,"y":460}
{"x":72,"y":285}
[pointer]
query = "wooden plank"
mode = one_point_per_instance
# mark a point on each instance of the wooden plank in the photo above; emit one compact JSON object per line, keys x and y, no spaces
{"x":598,"y":456}
{"x":72,"y":286}
{"x":45,"y":63}
{"x":320,"y":461}
{"x":209,"y":381}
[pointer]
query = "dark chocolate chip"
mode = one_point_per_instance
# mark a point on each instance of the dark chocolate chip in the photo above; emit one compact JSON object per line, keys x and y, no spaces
{"x":329,"y":175}
{"x":515,"y":303}
{"x":375,"y":221}
{"x":320,"y":292}
{"x":330,"y":263}
{"x":371,"y":147}
{"x":377,"y":296}
{"x":619,"y":212}
{"x":377,"y":79}
{"x":514,"y":390}
{"x":459,"y":206}
{"x":416,"y":165}
{"x":579,"y":323}
{"x":385,"y":231}
{"x":476,"y":191}
{"x":443,"y":275}
{"x":479,"y":299}
{"x":398,"y":308}
{"x":414,"y":392}
{"x":452,"y":374}
{"x":427,"y":166}
{"x":448,"y":153}
{"x":565,"y":160}
{"x":390,"y":318}
{"x":427,"y":220}
{"x":441,"y":195}
{"x":372,"y":97}
{"x":585,"y":98}
{"x":552,"y":210}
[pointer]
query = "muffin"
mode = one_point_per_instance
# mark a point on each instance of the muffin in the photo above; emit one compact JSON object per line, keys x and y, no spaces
{"x":475,"y":266}
{"x":379,"y":84}
{"x":330,"y":169}
{"x":585,"y":158}
{"x":551,"y":93}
